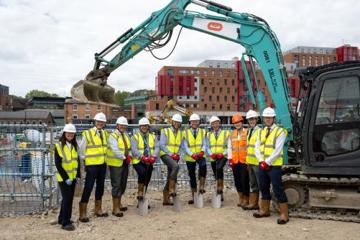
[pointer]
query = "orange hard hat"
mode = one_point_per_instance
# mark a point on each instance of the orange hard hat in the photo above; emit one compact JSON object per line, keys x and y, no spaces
{"x":237,"y":118}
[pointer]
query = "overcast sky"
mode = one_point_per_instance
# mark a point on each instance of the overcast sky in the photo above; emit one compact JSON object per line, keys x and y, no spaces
{"x":49,"y":44}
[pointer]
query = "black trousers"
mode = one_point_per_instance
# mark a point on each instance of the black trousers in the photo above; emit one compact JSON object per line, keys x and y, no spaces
{"x":191,"y":166}
{"x":272,"y":176}
{"x":218,"y":168}
{"x":67,"y":194}
{"x":241,"y":178}
{"x":144,"y":172}
{"x":94,"y":173}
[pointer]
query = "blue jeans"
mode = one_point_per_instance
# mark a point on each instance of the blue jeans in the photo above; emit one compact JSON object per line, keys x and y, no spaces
{"x":273,"y":176}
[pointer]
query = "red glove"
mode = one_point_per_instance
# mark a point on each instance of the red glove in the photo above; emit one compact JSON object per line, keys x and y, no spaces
{"x":219,"y":155}
{"x":213,"y":156}
{"x":175,"y":157}
{"x":145,"y":159}
{"x":201,"y":154}
{"x":128,"y":159}
{"x":231,"y":163}
{"x":152,"y":159}
{"x":264,"y":165}
{"x":195,"y":157}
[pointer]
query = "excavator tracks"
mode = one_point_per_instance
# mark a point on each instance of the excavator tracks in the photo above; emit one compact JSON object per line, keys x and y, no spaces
{"x":297,"y":188}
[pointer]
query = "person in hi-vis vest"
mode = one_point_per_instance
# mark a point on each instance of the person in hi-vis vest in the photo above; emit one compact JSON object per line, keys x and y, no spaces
{"x":217,"y":140}
{"x":118,"y":159}
{"x":170,"y":147}
{"x":269,"y":152}
{"x":93,"y":150}
{"x":237,"y":159}
{"x":145,"y":149}
{"x":195,"y":147}
{"x":251,"y":160}
{"x":67,"y":164}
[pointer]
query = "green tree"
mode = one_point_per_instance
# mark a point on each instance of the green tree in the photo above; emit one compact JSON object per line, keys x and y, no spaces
{"x":39,"y":93}
{"x":120,"y":96}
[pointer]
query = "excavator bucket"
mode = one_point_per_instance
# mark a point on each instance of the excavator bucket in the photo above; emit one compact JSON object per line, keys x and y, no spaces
{"x":94,"y":88}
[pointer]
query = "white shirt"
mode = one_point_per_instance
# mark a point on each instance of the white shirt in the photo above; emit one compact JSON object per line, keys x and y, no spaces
{"x":113,"y":143}
{"x":280,"y":141}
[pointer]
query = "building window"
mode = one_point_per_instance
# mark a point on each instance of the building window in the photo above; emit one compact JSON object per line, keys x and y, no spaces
{"x":170,"y":72}
{"x":228,"y":107}
{"x":157,"y":106}
{"x":233,"y":99}
{"x":225,"y":98}
{"x":218,"y":82}
{"x":228,"y":90}
{"x":220,"y":106}
{"x":75,"y":116}
{"x":187,"y":97}
{"x":213,"y":90}
{"x":225,"y":81}
{"x":184,"y":71}
{"x":205,"y":89}
{"x":210,"y":81}
{"x":87,"y":107}
{"x":221,"y":90}
{"x":75,"y":107}
{"x":217,"y":98}
{"x":205,"y":73}
{"x":205,"y":106}
{"x":213,"y":107}
{"x":210,"y":98}
{"x":233,"y":82}
{"x":202,"y":81}
{"x":87,"y":116}
{"x":98,"y":107}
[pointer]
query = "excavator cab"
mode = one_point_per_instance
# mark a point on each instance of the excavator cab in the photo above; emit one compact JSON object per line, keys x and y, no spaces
{"x":331,"y":120}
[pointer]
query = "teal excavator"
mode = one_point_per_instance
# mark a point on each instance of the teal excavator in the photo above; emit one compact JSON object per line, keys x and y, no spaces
{"x":322,"y":175}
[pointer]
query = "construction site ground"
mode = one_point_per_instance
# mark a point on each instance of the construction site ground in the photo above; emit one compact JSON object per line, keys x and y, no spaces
{"x":229,"y":222}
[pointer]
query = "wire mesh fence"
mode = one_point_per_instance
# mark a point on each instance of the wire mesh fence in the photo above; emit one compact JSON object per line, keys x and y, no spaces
{"x":27,"y":171}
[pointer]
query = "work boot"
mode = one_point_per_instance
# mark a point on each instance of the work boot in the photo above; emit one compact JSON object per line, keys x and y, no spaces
{"x":98,"y":209}
{"x":166,"y":200}
{"x":245,"y":201}
{"x":172,"y":188}
{"x":218,"y":188}
{"x":202,"y":185}
{"x":116,"y":210}
{"x":121,"y":207}
{"x":264,"y":209}
{"x":68,"y":227}
{"x":140,"y":192}
{"x":82,"y":212}
{"x":284,"y":213}
{"x":253,"y":201}
{"x":240,"y":199}
{"x":193,"y":191}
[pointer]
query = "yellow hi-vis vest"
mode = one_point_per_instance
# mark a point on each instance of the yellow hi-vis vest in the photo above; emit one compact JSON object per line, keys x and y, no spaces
{"x":250,"y":148}
{"x":267,"y":145}
{"x":218,"y":145}
{"x":173,"y":142}
{"x":95,"y":152}
{"x":69,"y":161}
{"x":112,"y":160}
{"x":141,"y":146}
{"x":195,"y":145}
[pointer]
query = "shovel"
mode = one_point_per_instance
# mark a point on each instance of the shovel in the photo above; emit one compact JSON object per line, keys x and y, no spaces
{"x":177,"y":204}
{"x":144,"y":203}
{"x":199,"y":200}
{"x":216,"y":200}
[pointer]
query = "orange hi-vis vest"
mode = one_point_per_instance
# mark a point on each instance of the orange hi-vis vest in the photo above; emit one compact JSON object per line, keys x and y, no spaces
{"x":238,"y":145}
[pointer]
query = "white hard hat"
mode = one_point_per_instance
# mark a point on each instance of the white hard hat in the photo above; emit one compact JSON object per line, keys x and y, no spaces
{"x":177,"y":118}
{"x":251,"y":114}
{"x":269,"y":112}
{"x":144,"y":121}
{"x":214,"y":119}
{"x":70,"y":128}
{"x":100,"y":117}
{"x":122,"y":121}
{"x":194,"y":117}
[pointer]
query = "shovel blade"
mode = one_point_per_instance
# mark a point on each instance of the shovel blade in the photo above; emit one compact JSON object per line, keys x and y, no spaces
{"x":143,"y":207}
{"x":177,"y":204}
{"x":199,"y":200}
{"x":216,"y":200}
